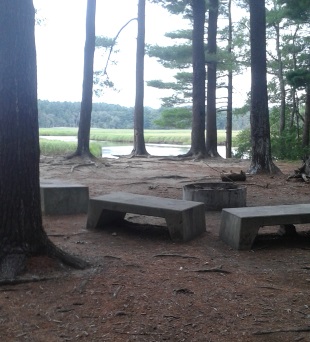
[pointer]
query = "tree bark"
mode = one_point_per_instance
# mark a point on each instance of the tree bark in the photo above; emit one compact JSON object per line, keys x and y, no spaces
{"x":87,"y":93}
{"x":139,"y":143}
{"x":198,"y":147}
{"x":229,"y":90}
{"x":281,"y":81}
{"x":306,"y":127}
{"x":21,"y":230}
{"x":211,"y":142}
{"x":261,"y":161}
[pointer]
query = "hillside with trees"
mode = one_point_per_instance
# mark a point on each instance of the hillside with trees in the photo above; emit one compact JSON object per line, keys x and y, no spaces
{"x":109,"y":116}
{"x":104,"y":115}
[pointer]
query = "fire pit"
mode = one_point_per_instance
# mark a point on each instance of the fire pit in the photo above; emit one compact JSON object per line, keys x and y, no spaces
{"x":216,"y":196}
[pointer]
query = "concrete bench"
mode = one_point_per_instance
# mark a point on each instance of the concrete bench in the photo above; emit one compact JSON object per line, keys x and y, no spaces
{"x":62,"y":198}
{"x":185,"y":219}
{"x":239,"y":226}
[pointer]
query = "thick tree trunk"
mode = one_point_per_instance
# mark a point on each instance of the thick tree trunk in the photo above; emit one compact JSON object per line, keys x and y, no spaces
{"x":21,"y":230}
{"x":139,"y":143}
{"x":229,"y":90}
{"x":198,"y":147}
{"x":87,"y":94}
{"x":211,"y":142}
{"x":260,"y":129}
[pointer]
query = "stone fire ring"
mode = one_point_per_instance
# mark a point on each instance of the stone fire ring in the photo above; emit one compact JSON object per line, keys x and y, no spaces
{"x":216,"y":196}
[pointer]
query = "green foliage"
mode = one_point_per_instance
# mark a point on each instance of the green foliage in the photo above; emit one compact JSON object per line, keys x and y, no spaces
{"x":172,"y":101}
{"x":298,"y":10}
{"x":175,"y":7}
{"x":284,"y":146}
{"x":180,"y":34}
{"x":299,"y":78}
{"x":104,"y":42}
{"x":175,"y":118}
{"x":287,"y":145}
{"x":243,"y":144}
{"x":161,"y":85}
{"x":179,"y":55}
{"x":182,"y":88}
{"x":176,"y":56}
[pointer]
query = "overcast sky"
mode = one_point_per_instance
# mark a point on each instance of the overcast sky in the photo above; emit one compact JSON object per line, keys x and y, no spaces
{"x":60,"y":43}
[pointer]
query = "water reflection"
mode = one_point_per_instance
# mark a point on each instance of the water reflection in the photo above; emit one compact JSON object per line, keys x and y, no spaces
{"x":163,"y":150}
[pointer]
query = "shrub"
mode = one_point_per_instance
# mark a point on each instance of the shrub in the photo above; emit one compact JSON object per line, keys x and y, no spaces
{"x":242,"y":141}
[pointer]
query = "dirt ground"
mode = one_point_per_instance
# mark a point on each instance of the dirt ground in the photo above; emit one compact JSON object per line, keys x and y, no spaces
{"x":141,"y":286}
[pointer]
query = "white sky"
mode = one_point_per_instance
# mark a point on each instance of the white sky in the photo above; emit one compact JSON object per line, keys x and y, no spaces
{"x":60,"y":49}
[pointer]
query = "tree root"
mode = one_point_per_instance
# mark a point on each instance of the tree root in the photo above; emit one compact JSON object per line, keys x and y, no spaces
{"x":266,"y":332}
{"x":301,"y":176}
{"x":13,"y":263}
{"x":174,"y":256}
{"x":66,"y":258}
{"x":84,"y":164}
{"x":214,"y":269}
{"x":22,"y":280}
{"x":86,"y":155}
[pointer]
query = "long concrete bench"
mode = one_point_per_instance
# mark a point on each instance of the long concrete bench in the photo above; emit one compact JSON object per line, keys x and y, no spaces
{"x":185,"y":219}
{"x":239,"y":226}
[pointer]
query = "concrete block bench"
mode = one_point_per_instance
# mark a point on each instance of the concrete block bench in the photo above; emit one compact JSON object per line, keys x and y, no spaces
{"x":62,"y":198}
{"x":185,"y":219}
{"x":239,"y":226}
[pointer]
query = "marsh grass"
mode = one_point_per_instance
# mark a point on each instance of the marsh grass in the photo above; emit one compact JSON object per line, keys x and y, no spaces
{"x":182,"y":137}
{"x":57,"y":147}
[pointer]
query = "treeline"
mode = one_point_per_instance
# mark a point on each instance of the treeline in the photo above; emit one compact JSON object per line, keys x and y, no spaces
{"x":109,"y":116}
{"x":104,"y":115}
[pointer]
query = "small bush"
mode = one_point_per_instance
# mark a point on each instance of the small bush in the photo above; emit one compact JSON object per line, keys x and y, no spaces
{"x":242,"y":141}
{"x":287,"y":145}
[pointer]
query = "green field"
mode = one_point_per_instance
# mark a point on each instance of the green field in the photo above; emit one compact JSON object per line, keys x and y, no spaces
{"x":126,"y":135}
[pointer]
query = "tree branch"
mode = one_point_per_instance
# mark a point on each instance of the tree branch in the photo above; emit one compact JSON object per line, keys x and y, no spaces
{"x":114,"y":42}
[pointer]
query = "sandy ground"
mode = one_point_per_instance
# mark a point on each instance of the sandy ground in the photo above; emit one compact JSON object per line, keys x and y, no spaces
{"x":141,"y":286}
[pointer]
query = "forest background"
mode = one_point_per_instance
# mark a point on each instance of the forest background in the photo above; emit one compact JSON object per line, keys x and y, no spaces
{"x":288,"y":51}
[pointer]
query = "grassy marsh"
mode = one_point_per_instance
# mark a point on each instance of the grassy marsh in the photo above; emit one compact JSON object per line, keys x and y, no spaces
{"x":181,"y":136}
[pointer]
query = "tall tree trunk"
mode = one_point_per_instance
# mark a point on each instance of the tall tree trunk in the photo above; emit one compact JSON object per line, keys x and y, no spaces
{"x":295,"y":109}
{"x":306,"y":127}
{"x":294,"y":112}
{"x":281,"y":81}
{"x":139,"y":143}
{"x":87,"y":94}
{"x":21,"y":231}
{"x":198,"y":147}
{"x":229,"y":89}
{"x":259,"y":117}
{"x":211,"y":142}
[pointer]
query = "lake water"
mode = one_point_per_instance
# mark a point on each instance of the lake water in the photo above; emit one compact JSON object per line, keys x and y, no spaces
{"x":163,"y":150}
{"x":112,"y":149}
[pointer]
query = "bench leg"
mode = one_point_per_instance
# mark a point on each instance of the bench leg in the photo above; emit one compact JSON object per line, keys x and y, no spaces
{"x":187,"y":225}
{"x":98,"y":217}
{"x":236,"y":232}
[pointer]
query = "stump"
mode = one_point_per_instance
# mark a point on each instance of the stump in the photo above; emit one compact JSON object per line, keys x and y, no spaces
{"x":216,"y":196}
